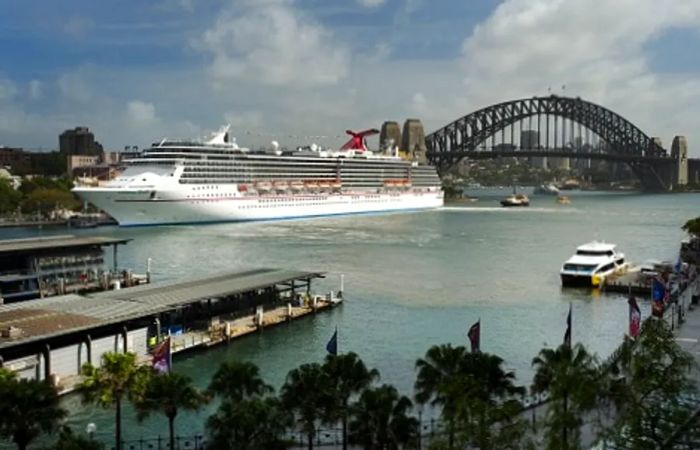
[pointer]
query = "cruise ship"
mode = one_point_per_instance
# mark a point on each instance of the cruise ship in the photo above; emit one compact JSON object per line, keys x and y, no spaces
{"x":184,"y":182}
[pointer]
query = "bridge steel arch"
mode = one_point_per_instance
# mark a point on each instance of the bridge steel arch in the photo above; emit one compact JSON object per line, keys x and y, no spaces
{"x":626,"y":142}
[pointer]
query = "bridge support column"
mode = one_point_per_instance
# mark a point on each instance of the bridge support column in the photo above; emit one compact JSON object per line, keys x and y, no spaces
{"x":679,"y":153}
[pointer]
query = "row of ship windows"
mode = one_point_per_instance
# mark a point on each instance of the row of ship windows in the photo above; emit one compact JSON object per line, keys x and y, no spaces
{"x":306,"y":204}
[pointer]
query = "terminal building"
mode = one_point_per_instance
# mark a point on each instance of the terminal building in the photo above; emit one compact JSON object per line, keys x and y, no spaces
{"x":44,"y":267}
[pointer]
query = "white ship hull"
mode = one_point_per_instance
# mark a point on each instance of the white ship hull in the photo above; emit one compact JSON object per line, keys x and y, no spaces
{"x":138,"y":207}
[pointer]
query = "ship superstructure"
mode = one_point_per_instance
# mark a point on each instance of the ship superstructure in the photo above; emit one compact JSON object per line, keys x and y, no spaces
{"x":215,"y":180}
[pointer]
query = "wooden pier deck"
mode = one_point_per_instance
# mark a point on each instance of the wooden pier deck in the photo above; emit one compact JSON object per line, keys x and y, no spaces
{"x":227,"y":330}
{"x":627,"y":283}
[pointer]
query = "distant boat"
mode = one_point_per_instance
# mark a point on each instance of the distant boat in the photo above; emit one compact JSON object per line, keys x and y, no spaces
{"x":546,"y":189}
{"x":570,"y":185}
{"x":83,"y":221}
{"x":563,"y":200}
{"x":515,"y":200}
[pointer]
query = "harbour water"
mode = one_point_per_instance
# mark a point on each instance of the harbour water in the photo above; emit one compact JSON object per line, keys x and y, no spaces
{"x":412,"y":280}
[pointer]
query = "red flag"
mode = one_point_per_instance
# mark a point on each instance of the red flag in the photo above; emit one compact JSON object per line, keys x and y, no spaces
{"x":635,"y":317}
{"x":474,"y":335}
{"x":162,"y":358}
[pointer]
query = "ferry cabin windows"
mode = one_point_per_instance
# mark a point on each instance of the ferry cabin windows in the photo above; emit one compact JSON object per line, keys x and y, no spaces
{"x":594,"y":252}
{"x":585,"y":268}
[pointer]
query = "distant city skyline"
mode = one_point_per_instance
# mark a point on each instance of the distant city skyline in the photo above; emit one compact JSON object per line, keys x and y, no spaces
{"x":303,"y":71}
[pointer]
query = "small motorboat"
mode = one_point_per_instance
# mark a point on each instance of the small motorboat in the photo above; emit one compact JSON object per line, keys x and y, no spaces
{"x":515,"y":200}
{"x":563,"y":200}
{"x":546,"y":189}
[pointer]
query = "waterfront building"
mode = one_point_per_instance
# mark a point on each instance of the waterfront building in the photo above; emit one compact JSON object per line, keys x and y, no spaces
{"x":16,"y":160}
{"x":79,"y":141}
{"x":44,"y":267}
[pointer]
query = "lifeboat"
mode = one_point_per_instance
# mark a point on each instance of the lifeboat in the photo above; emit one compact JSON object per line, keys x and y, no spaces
{"x":281,"y":185}
{"x":296,"y":185}
{"x":324,"y":185}
{"x":311,"y":185}
{"x":263,"y":186}
{"x":242,"y":188}
{"x":336,"y":185}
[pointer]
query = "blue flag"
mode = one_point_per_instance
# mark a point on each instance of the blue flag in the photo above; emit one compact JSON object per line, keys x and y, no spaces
{"x":332,"y":346}
{"x":658,"y":290}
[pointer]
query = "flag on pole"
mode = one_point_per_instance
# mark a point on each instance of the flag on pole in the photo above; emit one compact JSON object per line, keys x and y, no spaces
{"x":635,"y":318}
{"x":332,"y":345}
{"x":658,"y":290}
{"x":567,"y":334}
{"x":474,"y":335}
{"x":162,"y":357}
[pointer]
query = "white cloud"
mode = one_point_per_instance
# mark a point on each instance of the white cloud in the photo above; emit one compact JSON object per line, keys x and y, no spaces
{"x":371,"y":3}
{"x":596,"y":48}
{"x":273,"y":43}
{"x":77,"y":26}
{"x":7,"y":90}
{"x":75,"y":86}
{"x":34,"y":89}
{"x":140,"y":112}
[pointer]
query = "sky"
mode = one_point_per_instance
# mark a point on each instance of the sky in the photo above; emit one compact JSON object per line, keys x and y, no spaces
{"x":302,"y":71}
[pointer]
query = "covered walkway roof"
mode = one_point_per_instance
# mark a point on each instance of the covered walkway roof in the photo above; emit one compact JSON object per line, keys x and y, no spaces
{"x":55,"y":316}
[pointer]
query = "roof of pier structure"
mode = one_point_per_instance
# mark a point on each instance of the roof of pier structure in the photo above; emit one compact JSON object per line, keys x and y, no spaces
{"x":55,"y":242}
{"x":55,"y":316}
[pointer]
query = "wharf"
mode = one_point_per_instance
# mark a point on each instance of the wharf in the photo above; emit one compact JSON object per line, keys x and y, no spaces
{"x":627,"y":283}
{"x":51,"y":338}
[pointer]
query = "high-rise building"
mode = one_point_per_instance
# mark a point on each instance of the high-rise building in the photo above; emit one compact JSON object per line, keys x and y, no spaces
{"x":79,"y":141}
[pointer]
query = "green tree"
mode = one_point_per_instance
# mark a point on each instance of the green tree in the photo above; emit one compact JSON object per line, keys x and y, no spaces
{"x":117,"y":379}
{"x":306,"y":393}
{"x":169,"y":393}
{"x":238,"y":380}
{"x":441,"y":368}
{"x":9,"y":197}
{"x":652,"y":402}
{"x":570,"y":376}
{"x":488,"y":407}
{"x":249,"y":424}
{"x":47,"y":200}
{"x":67,"y":440}
{"x":380,"y":420}
{"x":692,"y":227}
{"x":28,"y":407}
{"x":348,"y":376}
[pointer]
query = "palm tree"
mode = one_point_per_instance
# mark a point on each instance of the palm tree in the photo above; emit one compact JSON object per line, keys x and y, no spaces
{"x":249,"y":424}
{"x":168,"y":393}
{"x":28,"y":408}
{"x":380,"y":420}
{"x":570,"y":375}
{"x":486,"y":402}
{"x":348,"y":376}
{"x":306,"y":393}
{"x":117,"y":378}
{"x":237,"y":380}
{"x":440,"y":368}
{"x":67,"y":440}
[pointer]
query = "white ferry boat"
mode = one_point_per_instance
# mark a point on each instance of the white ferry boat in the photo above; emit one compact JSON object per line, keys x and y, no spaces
{"x":591,"y":264}
{"x":177,"y":182}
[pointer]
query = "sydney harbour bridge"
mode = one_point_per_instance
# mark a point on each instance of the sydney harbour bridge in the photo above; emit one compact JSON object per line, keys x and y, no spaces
{"x":560,"y":127}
